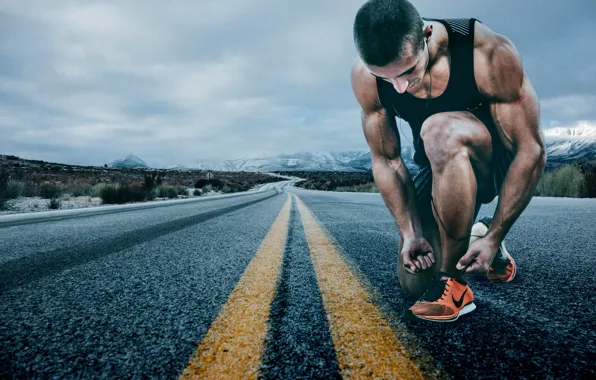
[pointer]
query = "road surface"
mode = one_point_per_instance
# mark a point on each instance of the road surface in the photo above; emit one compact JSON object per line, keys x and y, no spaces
{"x":282,"y":283}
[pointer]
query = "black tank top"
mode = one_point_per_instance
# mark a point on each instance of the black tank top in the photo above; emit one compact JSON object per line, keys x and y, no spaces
{"x":461,"y":93}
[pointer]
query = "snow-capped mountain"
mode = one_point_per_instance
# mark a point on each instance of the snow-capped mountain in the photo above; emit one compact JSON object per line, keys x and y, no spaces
{"x":569,"y":145}
{"x":563,"y":145}
{"x":324,"y":161}
{"x":129,"y":162}
{"x":570,"y":150}
{"x":583,"y":130}
{"x":346,"y":161}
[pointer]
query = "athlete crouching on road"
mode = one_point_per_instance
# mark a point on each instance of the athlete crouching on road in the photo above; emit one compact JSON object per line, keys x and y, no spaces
{"x":475,"y":121}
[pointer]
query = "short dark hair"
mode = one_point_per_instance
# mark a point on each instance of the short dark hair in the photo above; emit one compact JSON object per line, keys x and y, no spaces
{"x":382,"y":29}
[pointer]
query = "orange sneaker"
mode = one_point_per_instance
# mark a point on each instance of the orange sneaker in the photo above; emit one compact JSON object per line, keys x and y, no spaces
{"x":445,"y":301}
{"x":503,"y":267}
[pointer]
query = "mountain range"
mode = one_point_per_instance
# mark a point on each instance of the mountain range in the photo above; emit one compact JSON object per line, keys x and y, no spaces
{"x":345,"y":161}
{"x":570,"y":145}
{"x":563,"y":145}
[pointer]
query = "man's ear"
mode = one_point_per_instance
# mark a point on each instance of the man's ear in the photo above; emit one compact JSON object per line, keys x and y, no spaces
{"x":428,"y":31}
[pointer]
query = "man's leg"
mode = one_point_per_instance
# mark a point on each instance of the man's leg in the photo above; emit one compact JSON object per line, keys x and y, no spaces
{"x":414,"y":285}
{"x":459,"y":148}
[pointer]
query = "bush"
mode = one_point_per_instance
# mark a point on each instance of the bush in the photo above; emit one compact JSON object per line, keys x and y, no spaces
{"x":95,"y":190}
{"x":152,"y":181}
{"x":49,"y":191}
{"x":590,"y":182}
{"x":201,"y":183}
{"x":78,"y":188}
{"x":30,"y":189}
{"x":568,"y":181}
{"x":172,"y":193}
{"x":14,"y":189}
{"x":162,"y":191}
{"x":214,"y":182}
{"x":3,"y":189}
{"x":118,"y":194}
{"x":180,"y":190}
{"x":151,"y":195}
{"x":109,"y":194}
{"x":54,"y":203}
{"x":197,"y":192}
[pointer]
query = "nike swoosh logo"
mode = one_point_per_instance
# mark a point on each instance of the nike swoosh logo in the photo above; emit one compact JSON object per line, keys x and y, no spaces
{"x":461,"y":300}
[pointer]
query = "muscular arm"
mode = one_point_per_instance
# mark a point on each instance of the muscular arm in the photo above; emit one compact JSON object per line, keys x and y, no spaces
{"x":515,"y":110}
{"x":389,"y":170}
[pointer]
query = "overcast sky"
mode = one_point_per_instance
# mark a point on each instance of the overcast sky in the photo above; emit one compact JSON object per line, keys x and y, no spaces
{"x":88,"y":82}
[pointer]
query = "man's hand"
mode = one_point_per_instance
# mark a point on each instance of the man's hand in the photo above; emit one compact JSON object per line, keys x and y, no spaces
{"x":417,"y":255}
{"x":479,"y":257}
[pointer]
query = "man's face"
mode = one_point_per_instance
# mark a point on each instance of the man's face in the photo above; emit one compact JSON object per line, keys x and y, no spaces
{"x":405,"y":73}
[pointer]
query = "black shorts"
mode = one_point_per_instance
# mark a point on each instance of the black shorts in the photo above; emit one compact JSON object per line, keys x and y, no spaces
{"x":502,"y":159}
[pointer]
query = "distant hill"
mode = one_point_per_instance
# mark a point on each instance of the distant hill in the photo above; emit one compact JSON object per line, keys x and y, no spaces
{"x":129,"y":162}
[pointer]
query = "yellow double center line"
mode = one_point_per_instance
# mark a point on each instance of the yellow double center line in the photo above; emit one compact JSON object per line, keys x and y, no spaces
{"x":233,"y":346}
{"x":366,"y":346}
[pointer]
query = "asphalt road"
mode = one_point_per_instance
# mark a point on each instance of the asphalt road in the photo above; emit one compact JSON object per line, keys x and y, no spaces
{"x":133,"y":294}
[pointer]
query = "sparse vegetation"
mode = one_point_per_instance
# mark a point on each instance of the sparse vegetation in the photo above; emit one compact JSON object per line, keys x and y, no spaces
{"x":95,"y":190}
{"x":119,"y":194}
{"x":567,"y":181}
{"x":78,"y":187}
{"x":574,"y":181}
{"x":335,"y":181}
{"x":228,"y":185}
{"x":369,"y":187}
{"x":50,"y":190}
{"x":53,"y":181}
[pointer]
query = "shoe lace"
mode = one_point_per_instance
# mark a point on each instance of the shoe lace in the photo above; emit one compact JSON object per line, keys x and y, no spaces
{"x":436,"y":291}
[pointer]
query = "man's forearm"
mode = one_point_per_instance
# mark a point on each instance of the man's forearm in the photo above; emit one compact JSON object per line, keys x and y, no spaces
{"x":517,"y":191}
{"x":397,"y":190}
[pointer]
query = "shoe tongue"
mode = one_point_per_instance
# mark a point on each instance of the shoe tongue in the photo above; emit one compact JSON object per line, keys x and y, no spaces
{"x":436,"y":289}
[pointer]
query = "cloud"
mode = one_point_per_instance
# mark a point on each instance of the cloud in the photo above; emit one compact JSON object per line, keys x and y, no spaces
{"x":90,"y":82}
{"x":576,"y":106}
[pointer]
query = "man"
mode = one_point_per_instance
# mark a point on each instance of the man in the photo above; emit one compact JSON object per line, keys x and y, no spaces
{"x":475,"y":121}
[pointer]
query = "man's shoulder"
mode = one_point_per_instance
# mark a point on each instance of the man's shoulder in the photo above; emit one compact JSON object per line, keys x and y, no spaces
{"x":497,"y":63}
{"x":364,"y":86}
{"x":486,"y":38}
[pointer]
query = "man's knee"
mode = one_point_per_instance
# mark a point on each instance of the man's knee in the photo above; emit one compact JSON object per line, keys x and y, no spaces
{"x":443,"y":140}
{"x":451,"y":135}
